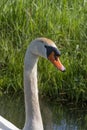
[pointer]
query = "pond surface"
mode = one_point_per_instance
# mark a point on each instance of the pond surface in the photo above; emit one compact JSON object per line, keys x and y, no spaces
{"x":55,"y":116}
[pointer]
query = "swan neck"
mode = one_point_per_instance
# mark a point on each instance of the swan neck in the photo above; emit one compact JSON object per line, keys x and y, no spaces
{"x":33,"y":116}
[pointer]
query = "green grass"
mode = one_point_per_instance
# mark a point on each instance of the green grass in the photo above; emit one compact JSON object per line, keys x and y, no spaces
{"x":63,"y":21}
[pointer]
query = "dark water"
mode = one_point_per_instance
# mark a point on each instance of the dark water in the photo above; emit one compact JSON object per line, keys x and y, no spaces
{"x":55,"y":116}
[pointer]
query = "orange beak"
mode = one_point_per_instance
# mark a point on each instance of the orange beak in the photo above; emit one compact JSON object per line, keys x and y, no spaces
{"x":56,"y":62}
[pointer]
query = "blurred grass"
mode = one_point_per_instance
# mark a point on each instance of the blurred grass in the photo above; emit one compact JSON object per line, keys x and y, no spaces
{"x":63,"y":21}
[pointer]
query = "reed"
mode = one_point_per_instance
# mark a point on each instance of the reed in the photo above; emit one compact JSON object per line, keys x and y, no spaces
{"x":65,"y":22}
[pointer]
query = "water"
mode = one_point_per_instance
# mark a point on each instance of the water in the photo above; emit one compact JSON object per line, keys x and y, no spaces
{"x":55,"y":116}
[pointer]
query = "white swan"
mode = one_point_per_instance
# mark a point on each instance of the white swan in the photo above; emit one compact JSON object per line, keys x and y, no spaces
{"x":39,"y":47}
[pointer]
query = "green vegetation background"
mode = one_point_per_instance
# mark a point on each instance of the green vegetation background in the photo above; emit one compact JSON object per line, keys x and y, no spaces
{"x":63,"y":21}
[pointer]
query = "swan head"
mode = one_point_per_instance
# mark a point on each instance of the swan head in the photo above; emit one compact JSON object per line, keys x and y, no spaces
{"x":46,"y":48}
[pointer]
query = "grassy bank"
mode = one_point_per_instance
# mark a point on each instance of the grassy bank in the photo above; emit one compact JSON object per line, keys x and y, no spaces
{"x":65,"y":22}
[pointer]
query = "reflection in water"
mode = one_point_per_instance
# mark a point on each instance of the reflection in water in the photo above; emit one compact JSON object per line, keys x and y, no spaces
{"x":55,"y":117}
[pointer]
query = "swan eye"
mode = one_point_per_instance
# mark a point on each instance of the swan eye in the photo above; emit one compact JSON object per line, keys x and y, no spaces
{"x":50,"y":49}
